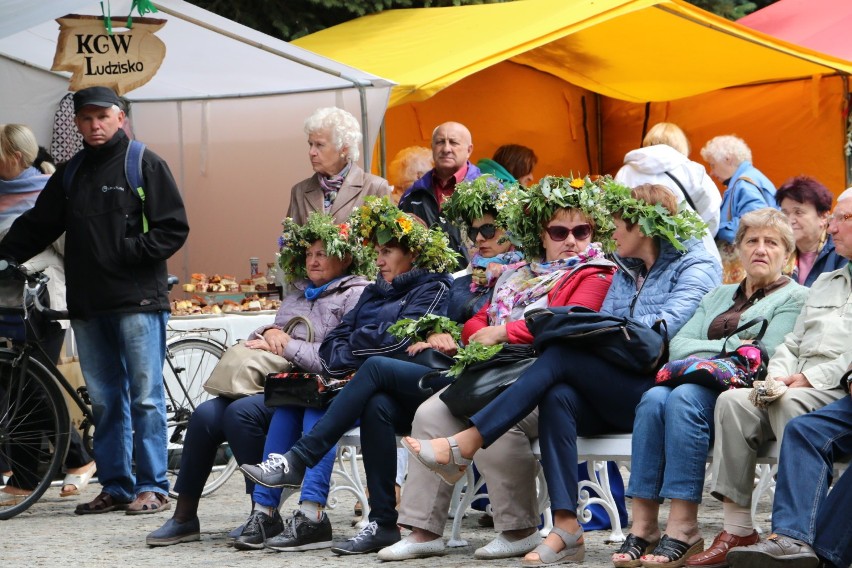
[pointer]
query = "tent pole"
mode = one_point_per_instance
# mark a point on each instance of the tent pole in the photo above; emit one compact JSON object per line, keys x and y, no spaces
{"x":599,"y":128}
{"x":383,"y":150}
{"x":847,"y":124}
{"x":365,"y":126}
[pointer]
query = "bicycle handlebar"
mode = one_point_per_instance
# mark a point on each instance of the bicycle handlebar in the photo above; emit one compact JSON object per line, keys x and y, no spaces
{"x":33,"y":285}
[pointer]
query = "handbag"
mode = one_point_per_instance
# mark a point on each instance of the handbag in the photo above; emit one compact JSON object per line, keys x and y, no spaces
{"x":625,"y":342}
{"x":307,"y":390}
{"x":482,"y":382}
{"x":727,"y":370}
{"x":242,"y":371}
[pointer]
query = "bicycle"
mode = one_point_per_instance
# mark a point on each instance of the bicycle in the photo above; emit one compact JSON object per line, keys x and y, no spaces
{"x":34,"y":418}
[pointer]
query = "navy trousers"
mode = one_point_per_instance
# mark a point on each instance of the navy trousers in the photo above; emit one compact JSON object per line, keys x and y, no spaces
{"x":384,"y":395}
{"x":243,"y":423}
{"x":578,"y":394}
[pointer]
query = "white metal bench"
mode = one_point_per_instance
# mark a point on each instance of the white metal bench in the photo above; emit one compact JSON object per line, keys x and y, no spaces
{"x":595,"y":450}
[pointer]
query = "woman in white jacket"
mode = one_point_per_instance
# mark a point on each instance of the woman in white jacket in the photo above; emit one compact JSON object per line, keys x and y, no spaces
{"x":663,"y":159}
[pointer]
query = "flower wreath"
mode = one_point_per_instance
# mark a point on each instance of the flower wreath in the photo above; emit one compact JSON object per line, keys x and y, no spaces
{"x":653,"y":220}
{"x":380,"y":221}
{"x":339,"y":241}
{"x":472,"y":199}
{"x":533,"y":207}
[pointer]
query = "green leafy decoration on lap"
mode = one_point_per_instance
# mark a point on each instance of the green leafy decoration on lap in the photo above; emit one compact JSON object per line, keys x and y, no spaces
{"x":474,"y":352}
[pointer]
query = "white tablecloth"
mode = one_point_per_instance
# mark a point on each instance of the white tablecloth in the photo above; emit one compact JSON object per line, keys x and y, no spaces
{"x":228,"y":328}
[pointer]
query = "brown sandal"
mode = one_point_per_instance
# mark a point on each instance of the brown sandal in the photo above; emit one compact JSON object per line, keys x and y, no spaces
{"x":149,"y":502}
{"x":103,"y":503}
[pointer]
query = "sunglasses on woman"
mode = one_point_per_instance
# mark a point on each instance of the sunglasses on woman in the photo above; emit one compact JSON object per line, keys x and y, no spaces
{"x":558,"y":233}
{"x":487,"y":231}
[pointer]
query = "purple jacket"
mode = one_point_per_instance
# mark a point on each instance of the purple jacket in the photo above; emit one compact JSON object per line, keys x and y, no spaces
{"x":324,"y":314}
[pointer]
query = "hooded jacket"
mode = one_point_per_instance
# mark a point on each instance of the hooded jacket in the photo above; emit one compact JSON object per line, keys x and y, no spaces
{"x":652,"y":164}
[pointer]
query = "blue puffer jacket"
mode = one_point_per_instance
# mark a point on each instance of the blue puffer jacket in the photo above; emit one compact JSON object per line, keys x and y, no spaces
{"x":363,"y":331}
{"x":672,"y":289}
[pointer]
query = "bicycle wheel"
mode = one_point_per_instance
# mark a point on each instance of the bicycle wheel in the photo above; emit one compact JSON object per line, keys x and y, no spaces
{"x":189,"y":361}
{"x":34,"y":430}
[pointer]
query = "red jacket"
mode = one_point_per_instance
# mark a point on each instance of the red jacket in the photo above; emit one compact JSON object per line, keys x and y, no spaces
{"x":586,"y":286}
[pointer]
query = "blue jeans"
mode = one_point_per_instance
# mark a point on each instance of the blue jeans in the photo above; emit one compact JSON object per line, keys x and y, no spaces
{"x":804,"y":508}
{"x":242,"y":423}
{"x":672,"y":435}
{"x":578,"y":394}
{"x":121,"y":356}
{"x":384,"y":395}
{"x":288,"y":425}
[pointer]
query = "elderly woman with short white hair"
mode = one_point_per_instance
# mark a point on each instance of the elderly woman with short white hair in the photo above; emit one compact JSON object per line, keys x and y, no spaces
{"x":338,"y":184}
{"x":729,"y":161}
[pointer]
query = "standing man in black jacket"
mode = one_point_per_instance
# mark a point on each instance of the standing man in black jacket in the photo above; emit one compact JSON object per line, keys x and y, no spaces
{"x":116,"y":245}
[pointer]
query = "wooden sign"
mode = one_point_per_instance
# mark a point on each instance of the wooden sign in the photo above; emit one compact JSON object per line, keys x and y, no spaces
{"x":123,"y":60}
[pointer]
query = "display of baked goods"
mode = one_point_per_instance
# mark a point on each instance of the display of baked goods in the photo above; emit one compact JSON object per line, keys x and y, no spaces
{"x":198,"y":305}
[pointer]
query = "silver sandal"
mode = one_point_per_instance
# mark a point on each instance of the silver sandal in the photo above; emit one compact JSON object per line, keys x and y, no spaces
{"x":574,"y":550}
{"x":448,"y":472}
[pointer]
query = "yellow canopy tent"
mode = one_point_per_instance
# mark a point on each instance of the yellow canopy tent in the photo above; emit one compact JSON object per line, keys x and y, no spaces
{"x":569,"y":79}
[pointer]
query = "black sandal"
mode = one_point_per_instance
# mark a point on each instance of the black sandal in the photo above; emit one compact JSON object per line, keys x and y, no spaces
{"x":675,"y":550}
{"x":634,"y":547}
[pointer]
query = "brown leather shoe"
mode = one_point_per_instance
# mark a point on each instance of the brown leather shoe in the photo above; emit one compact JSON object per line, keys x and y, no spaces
{"x":717,"y":555}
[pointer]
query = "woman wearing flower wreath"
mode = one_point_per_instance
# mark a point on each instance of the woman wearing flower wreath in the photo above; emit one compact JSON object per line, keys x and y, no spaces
{"x":664,"y":272}
{"x":673,"y":429}
{"x":559,"y":225}
{"x":413,"y":282}
{"x":474,"y":206}
{"x":326,"y":265}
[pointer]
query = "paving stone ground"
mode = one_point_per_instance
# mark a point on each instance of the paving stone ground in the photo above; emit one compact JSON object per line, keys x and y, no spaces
{"x":50,"y":534}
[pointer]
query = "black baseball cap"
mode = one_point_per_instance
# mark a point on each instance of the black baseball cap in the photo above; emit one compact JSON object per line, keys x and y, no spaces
{"x":96,"y":96}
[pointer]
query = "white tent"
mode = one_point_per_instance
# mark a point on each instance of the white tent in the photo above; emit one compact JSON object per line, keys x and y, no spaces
{"x":226,"y":110}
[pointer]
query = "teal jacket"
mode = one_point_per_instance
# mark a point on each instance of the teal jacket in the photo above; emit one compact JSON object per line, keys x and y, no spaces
{"x":780,"y":308}
{"x":489,"y":166}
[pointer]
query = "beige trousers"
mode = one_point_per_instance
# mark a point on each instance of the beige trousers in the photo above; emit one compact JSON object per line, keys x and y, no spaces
{"x":741,"y":428}
{"x":508,"y":466}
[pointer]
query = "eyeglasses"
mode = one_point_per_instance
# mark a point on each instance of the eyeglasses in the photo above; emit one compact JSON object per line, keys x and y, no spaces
{"x":558,"y":233}
{"x":487,"y":231}
{"x":839,"y":217}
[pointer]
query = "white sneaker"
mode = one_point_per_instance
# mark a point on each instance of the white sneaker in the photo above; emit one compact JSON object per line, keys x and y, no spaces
{"x":501,"y":547}
{"x":407,"y":549}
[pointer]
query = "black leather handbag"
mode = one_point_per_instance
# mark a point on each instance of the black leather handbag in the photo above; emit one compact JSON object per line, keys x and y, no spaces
{"x":308,"y":390}
{"x":482,"y":382}
{"x":625,"y":342}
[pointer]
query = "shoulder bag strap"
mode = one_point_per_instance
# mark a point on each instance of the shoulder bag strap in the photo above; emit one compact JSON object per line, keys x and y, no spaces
{"x":683,"y":189}
{"x":764,"y":323}
{"x":294,"y":322}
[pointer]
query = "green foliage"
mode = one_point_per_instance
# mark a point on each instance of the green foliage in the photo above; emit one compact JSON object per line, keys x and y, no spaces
{"x":379,"y":221}
{"x":532,"y":208}
{"x":421,"y":328}
{"x":474,"y":352}
{"x":293,"y":19}
{"x":653,"y":220}
{"x":339,"y":241}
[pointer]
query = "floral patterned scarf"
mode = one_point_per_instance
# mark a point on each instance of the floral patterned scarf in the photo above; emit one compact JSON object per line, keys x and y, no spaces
{"x":331,"y":185}
{"x":532,"y":281}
